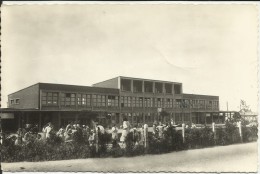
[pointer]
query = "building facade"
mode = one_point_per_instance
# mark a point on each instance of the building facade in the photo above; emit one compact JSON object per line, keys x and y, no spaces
{"x":138,"y":100}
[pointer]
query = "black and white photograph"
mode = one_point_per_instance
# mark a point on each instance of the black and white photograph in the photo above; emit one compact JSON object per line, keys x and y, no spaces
{"x":129,"y":87}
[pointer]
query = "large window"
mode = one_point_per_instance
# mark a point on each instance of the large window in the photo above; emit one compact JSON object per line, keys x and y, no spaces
{"x":125,"y":101}
{"x":112,"y":101}
{"x":158,"y":88}
{"x":137,"y":86}
{"x":201,"y":104}
{"x":209,"y":104}
{"x":84,"y":99}
{"x":68,"y":99}
{"x":168,"y":88}
{"x":137,"y":102}
{"x":148,"y":102}
{"x":88,"y":99}
{"x":215,"y":104}
{"x":99,"y":100}
{"x":148,"y":86}
{"x":178,"y":103}
{"x":196,"y":104}
{"x":158,"y":102}
{"x":49,"y":98}
{"x":185,"y":103}
{"x":81,"y":99}
{"x":168,"y":103}
{"x":125,"y":85}
{"x":177,"y":89}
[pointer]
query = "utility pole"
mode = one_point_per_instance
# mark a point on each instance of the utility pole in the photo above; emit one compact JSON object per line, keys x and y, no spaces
{"x":227,"y":106}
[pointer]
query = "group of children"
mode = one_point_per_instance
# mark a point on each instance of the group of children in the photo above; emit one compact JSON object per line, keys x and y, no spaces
{"x":67,"y":133}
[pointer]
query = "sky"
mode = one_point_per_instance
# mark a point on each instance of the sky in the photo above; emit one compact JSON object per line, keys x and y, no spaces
{"x":211,"y":49}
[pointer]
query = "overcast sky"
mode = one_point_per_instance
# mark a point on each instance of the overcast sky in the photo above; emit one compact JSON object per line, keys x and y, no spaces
{"x":211,"y":49}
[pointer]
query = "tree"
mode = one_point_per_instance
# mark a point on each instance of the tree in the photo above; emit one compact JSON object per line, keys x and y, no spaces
{"x":244,"y":108}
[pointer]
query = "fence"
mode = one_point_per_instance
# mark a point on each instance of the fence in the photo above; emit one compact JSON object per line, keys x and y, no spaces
{"x":144,"y":142}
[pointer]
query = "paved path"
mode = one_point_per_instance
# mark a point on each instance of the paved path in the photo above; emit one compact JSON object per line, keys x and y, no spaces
{"x":232,"y":158}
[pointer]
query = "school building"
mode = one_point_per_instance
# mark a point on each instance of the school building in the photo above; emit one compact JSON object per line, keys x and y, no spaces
{"x":108,"y":102}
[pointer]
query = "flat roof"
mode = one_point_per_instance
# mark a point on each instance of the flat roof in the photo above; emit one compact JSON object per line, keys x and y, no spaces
{"x":4,"y":110}
{"x":65,"y":87}
{"x":134,"y":78}
{"x":202,"y":95}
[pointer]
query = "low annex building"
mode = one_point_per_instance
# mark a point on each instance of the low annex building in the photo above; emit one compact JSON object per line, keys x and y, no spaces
{"x":139,"y":100}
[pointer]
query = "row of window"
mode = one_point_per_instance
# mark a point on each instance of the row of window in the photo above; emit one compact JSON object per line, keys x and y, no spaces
{"x":138,"y":117}
{"x":177,"y":118}
{"x":15,"y":101}
{"x":139,"y":86}
{"x":70,"y":99}
{"x":167,"y":103}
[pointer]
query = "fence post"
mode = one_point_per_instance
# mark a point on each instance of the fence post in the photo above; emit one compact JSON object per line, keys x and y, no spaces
{"x":214,"y":131}
{"x":145,"y":136}
{"x":96,"y":135}
{"x":240,"y":130}
{"x":183,"y":132}
{"x":213,"y":127}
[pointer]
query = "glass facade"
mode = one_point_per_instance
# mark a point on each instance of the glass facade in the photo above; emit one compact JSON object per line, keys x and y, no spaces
{"x":137,"y":108}
{"x":49,"y":98}
{"x":112,"y":101}
{"x":99,"y":100}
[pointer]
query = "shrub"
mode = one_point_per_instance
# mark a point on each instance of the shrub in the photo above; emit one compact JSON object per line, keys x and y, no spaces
{"x":207,"y":137}
{"x":55,"y":149}
{"x":221,"y":136}
{"x":232,"y":133}
{"x":254,"y":132}
{"x":11,"y":152}
{"x":54,"y":139}
{"x":197,"y":138}
{"x":78,"y":137}
{"x":131,"y":148}
{"x":171,"y":141}
{"x":249,"y":133}
{"x":193,"y":138}
{"x":116,"y":152}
